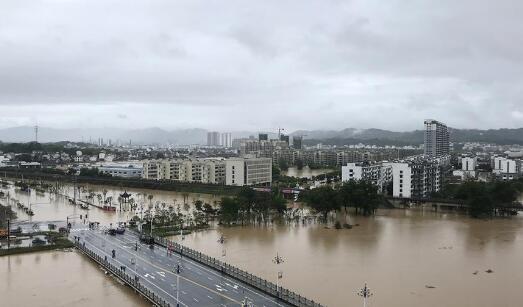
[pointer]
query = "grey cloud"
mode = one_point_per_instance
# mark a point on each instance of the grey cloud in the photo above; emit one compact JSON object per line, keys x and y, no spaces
{"x":453,"y":60}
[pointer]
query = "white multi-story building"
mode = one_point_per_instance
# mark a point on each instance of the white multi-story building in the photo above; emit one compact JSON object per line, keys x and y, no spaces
{"x":468,"y":168}
{"x":379,"y":174}
{"x":416,"y":177}
{"x":505,"y":168}
{"x":436,"y":139}
{"x":226,"y":139}
{"x":235,"y":172}
{"x":248,"y":171}
{"x":232,"y":171}
{"x":469,"y":163}
{"x":402,"y":175}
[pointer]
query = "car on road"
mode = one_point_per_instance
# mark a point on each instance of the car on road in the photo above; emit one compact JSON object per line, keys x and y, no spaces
{"x":120,"y":230}
{"x":147,"y":239}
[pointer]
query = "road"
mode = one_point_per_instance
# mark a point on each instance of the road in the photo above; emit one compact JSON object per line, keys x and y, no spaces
{"x":198,"y":285}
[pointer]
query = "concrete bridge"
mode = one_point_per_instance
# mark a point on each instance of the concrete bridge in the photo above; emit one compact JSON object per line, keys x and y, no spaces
{"x":169,"y":274}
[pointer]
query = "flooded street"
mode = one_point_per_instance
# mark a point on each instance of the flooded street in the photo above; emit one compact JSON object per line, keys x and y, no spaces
{"x":407,"y":257}
{"x":57,"y":278}
{"x":49,"y":207}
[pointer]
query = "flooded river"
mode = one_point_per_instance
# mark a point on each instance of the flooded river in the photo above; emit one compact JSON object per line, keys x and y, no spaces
{"x":407,"y":257}
{"x":400,"y":254}
{"x":58,"y":278}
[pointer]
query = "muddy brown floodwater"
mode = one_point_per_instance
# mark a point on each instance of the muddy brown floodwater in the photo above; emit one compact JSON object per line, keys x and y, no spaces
{"x":408,"y":258}
{"x":60,"y":279}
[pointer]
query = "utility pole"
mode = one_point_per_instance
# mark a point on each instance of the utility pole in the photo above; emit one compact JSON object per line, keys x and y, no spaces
{"x":221,"y":240}
{"x":8,"y":233}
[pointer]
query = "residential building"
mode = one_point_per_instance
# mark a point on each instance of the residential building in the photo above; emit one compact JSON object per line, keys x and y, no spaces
{"x":213,"y":138}
{"x":226,"y":139}
{"x":232,"y":171}
{"x":469,"y":163}
{"x":505,"y":168}
{"x":121,"y":171}
{"x":436,"y":139}
{"x":416,"y":177}
{"x":379,"y":174}
{"x":297,"y":142}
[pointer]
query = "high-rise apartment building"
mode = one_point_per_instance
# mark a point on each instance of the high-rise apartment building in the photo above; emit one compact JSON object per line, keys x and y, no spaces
{"x":263,"y":137}
{"x":226,"y":139}
{"x":436,"y":138}
{"x":213,"y":138}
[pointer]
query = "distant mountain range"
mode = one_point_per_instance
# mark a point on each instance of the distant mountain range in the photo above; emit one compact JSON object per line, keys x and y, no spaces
{"x":199,"y":136}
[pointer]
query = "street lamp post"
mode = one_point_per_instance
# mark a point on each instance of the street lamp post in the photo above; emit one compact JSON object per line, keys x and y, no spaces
{"x":365,"y":293}
{"x":178,"y":271}
{"x":222,"y":240}
{"x":278,"y":260}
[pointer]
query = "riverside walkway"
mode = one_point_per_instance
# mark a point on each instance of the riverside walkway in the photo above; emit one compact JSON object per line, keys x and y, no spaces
{"x":169,"y":274}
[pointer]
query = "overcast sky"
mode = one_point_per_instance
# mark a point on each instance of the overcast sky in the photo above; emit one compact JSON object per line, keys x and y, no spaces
{"x":257,"y":65}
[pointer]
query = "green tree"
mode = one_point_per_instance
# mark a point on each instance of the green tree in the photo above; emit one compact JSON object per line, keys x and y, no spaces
{"x":299,"y":164}
{"x":229,"y":210}
{"x":323,"y":200}
{"x":283,"y":165}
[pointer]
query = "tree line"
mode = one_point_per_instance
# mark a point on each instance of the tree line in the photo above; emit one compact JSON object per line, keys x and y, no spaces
{"x":485,"y":199}
{"x":363,"y":196}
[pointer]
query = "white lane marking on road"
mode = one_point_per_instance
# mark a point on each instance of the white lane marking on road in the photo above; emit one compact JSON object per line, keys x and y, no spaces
{"x":184,"y":293}
{"x":195,"y":299}
{"x":209,"y":278}
{"x":219,"y":288}
{"x":139,"y":274}
{"x":209,"y":297}
{"x":161,"y":274}
{"x":209,"y":270}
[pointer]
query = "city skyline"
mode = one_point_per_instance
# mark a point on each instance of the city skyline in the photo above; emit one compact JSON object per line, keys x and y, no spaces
{"x":196,"y":64}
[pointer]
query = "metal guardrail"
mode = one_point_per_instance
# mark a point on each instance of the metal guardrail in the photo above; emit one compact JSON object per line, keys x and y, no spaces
{"x":259,"y":283}
{"x":123,"y":276}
